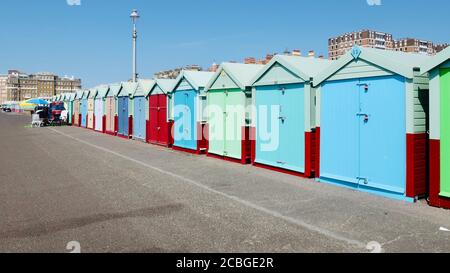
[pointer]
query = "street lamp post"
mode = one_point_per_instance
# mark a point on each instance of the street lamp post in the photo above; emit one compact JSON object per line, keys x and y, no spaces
{"x":134,"y":17}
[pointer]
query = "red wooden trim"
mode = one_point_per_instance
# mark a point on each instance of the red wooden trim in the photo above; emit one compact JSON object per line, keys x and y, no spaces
{"x":310,"y":148}
{"x":202,"y":138}
{"x":171,"y":133}
{"x":130,"y":127}
{"x":317,"y":153}
{"x":93,"y":122}
{"x":313,"y":151}
{"x":246,"y":145}
{"x":416,"y":164}
{"x":180,"y":149}
{"x":435,"y":172}
{"x":435,"y":199}
{"x":79,"y":120}
{"x":280,"y":170}
{"x":226,"y":158}
{"x":116,"y":124}
{"x":104,"y":124}
{"x":110,"y":133}
{"x":169,"y":138}
{"x":308,"y":154}
{"x":122,"y":136}
{"x":147,"y":131}
{"x":165,"y":145}
{"x":252,"y":135}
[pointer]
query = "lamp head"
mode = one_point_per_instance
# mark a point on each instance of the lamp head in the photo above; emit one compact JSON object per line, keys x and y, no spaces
{"x":134,"y":15}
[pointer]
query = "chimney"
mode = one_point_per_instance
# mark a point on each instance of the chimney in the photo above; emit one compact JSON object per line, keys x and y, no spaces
{"x":269,"y":57}
{"x":311,"y":53}
{"x":250,"y":60}
{"x":296,"y":52}
{"x":214,"y":67}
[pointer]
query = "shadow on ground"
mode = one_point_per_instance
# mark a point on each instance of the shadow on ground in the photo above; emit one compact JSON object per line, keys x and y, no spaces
{"x":53,"y":227}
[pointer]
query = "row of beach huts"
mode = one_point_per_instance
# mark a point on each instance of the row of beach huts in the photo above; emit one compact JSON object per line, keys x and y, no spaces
{"x":377,"y":121}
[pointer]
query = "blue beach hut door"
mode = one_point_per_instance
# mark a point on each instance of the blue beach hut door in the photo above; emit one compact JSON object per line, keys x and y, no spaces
{"x":292,"y":128}
{"x":123,"y":116}
{"x":383,"y":134}
{"x":281,"y":127}
{"x":83,"y":113}
{"x":363,"y":133}
{"x":185,"y":126}
{"x":139,"y":118}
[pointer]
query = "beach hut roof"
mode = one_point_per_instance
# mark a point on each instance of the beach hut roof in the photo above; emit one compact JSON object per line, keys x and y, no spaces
{"x":128,"y":89}
{"x":395,"y":61}
{"x":304,"y":68}
{"x":436,"y":61}
{"x":144,"y":88}
{"x":92,"y":93}
{"x":79,"y":94}
{"x":197,"y":79}
{"x":241,"y":74}
{"x":102,"y":91}
{"x":114,"y":89}
{"x":166,"y":85}
{"x":86,"y":93}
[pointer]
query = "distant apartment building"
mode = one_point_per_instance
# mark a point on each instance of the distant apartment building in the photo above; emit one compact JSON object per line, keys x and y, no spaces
{"x":439,"y":47}
{"x":21,"y":86}
{"x":265,"y":60}
{"x":412,"y":45}
{"x":214,"y":67}
{"x":3,"y":90}
{"x":338,"y":46}
{"x":173,"y":73}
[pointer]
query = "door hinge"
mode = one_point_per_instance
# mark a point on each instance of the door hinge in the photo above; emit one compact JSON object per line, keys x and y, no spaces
{"x":364,"y":180}
{"x":365,"y":85}
{"x":366,"y":116}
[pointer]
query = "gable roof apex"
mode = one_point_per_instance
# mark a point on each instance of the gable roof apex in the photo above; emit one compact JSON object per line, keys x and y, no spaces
{"x":241,"y":74}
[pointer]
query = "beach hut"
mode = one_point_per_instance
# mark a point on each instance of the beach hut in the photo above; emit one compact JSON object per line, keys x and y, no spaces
{"x":70,"y":102}
{"x":140,"y":105}
{"x":84,"y":108}
{"x":189,"y":101}
{"x":90,"y":108}
{"x":373,"y":109}
{"x":438,"y":69}
{"x":125,"y":109}
{"x":76,"y":107}
{"x":229,"y":94}
{"x":64,"y":98}
{"x":284,"y":102}
{"x":159,"y":128}
{"x":111,"y":109}
{"x":99,"y":109}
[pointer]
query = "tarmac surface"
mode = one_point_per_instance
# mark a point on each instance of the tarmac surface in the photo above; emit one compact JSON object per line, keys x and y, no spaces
{"x":64,"y":184}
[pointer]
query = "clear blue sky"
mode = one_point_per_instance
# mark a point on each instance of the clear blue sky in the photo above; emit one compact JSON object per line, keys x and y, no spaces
{"x":93,"y":40}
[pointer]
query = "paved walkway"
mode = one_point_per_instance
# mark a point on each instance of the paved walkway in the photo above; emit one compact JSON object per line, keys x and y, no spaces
{"x":67,"y":184}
